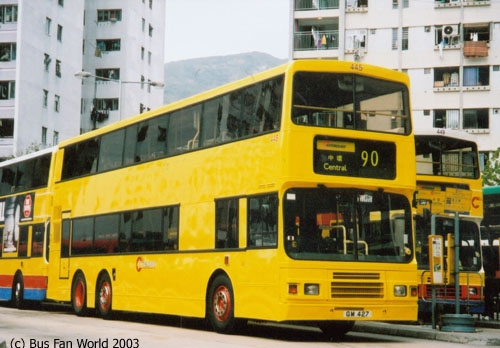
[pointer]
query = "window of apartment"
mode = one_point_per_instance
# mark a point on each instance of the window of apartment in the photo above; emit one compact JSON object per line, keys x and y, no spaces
{"x":447,"y":34}
{"x":6,"y":128}
{"x":48,"y":23}
{"x":57,"y":103}
{"x":46,"y":61}
{"x":111,"y":15}
{"x":404,"y":41}
{"x":55,"y":138}
{"x":58,"y":68}
{"x":149,"y":57}
{"x":395,"y":4}
{"x":476,"y":32}
{"x":61,"y":3}
{"x":475,"y":119}
{"x":446,"y":118}
{"x":45,"y":100}
{"x":143,"y":25}
{"x":355,"y":39}
{"x":142,"y":53}
{"x":316,"y":5}
{"x":356,"y":3}
{"x":394,"y":39}
{"x":8,"y":13}
{"x":476,"y":76}
{"x":7,"y":90}
{"x":44,"y":135}
{"x":109,"y":104}
{"x":226,"y":223}
{"x":151,"y":4}
{"x":150,"y":30}
{"x":7,"y":51}
{"x":59,"y":32}
{"x":112,"y":73}
{"x":446,"y":77}
{"x":108,"y":45}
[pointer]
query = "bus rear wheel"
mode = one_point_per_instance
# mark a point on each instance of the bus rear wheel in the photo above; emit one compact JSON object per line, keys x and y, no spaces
{"x":18,"y":292}
{"x":104,"y":296}
{"x":79,"y":295}
{"x":220,"y":305}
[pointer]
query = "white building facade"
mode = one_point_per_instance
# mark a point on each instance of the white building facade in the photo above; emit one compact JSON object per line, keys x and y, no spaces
{"x":40,"y":47}
{"x":449,"y":48}
{"x":44,"y":43}
{"x":124,"y":59}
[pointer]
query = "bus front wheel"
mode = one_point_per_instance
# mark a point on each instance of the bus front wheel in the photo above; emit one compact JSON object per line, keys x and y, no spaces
{"x":104,"y":296}
{"x":79,"y":295}
{"x":220,"y":305}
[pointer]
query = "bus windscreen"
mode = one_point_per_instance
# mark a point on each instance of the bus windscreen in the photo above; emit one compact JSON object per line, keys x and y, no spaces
{"x":350,"y":102}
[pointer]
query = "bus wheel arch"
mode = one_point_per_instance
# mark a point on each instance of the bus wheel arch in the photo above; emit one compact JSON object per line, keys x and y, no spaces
{"x":79,"y":294}
{"x":104,"y":295}
{"x":18,"y":291}
{"x":220,"y":303}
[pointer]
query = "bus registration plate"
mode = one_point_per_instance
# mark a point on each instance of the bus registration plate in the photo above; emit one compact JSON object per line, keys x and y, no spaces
{"x":357,"y":314}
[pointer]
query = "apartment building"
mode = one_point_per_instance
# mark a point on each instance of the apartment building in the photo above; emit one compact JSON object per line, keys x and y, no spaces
{"x":40,"y":48}
{"x":123,"y":60}
{"x":449,"y":48}
{"x":119,"y":46}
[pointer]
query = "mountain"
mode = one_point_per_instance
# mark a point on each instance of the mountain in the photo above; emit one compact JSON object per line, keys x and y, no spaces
{"x":188,"y":77}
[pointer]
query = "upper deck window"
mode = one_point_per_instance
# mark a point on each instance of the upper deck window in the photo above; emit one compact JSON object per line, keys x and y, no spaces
{"x":446,"y":156}
{"x":351,"y":102}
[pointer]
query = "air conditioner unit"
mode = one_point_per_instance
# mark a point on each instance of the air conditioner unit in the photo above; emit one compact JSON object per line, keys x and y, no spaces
{"x":450,"y":30}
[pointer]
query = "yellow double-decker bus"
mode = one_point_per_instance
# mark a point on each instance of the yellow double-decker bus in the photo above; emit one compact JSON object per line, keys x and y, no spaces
{"x":449,"y":186}
{"x":25,"y":210}
{"x":272,"y":198}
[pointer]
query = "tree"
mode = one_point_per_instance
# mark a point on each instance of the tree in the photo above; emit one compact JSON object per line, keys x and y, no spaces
{"x":491,"y":172}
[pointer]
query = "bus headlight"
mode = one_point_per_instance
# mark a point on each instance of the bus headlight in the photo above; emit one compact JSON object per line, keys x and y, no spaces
{"x":400,"y":290}
{"x":311,"y":289}
{"x":473,"y":291}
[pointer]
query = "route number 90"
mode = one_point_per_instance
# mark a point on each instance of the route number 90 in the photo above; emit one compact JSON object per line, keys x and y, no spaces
{"x":369,"y":158}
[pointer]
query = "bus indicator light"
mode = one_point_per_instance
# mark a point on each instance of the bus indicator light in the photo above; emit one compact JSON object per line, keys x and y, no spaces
{"x":293,"y":289}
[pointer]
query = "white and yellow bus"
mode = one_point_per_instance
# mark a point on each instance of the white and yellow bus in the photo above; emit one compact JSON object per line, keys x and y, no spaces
{"x":25,"y":210}
{"x":449,"y":185}
{"x":269,"y":198}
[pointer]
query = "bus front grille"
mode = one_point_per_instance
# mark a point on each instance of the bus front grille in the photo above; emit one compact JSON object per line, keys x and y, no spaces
{"x":356,"y":285}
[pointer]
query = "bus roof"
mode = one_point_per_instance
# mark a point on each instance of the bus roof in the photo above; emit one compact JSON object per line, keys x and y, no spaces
{"x":319,"y":65}
{"x":27,"y":156}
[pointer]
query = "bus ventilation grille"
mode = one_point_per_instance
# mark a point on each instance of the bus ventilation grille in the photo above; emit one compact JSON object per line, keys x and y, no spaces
{"x":356,"y":285}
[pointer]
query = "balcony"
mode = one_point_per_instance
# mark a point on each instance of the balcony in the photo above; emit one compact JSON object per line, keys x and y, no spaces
{"x":458,"y":3}
{"x":475,"y":49}
{"x":356,"y":6}
{"x":316,"y":40}
{"x":314,"y":5}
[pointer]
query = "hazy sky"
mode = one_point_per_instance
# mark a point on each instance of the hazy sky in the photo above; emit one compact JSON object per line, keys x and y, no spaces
{"x":204,"y":28}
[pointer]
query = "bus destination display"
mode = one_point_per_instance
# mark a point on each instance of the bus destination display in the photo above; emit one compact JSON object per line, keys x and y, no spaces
{"x":354,"y":157}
